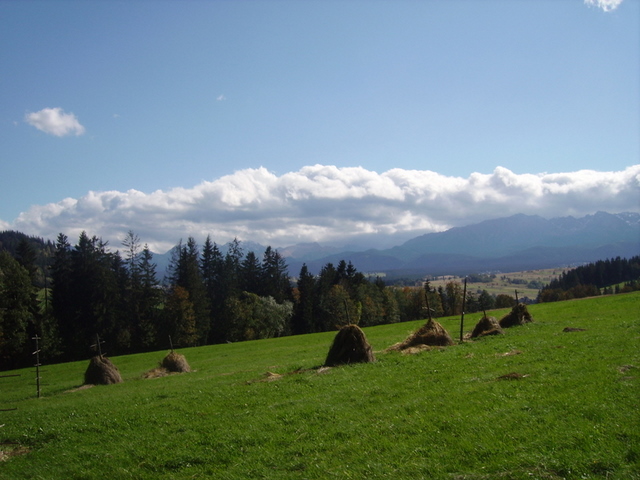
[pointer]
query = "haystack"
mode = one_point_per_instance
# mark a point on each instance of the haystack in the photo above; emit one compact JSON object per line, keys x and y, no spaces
{"x":350,"y":345}
{"x":101,"y":372}
{"x":487,"y":326}
{"x":431,"y":334}
{"x":519,"y":315}
{"x":175,"y":362}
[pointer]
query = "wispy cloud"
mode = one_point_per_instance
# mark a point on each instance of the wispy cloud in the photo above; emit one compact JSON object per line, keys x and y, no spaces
{"x":606,"y":5}
{"x":55,"y":121}
{"x":330,"y":204}
{"x":221,"y":98}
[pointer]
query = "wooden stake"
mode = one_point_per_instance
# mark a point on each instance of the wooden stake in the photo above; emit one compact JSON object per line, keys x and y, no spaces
{"x":464,"y":299}
{"x":37,"y":354}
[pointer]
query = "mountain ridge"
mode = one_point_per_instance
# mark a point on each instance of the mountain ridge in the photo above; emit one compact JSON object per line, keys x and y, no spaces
{"x":518,"y":242}
{"x":514,"y":243}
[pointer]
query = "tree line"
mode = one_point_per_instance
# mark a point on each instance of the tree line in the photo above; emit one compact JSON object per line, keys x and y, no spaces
{"x":615,"y":275}
{"x":73,"y":296}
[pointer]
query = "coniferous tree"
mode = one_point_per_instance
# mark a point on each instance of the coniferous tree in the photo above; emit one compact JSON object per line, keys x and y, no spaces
{"x":251,"y":278}
{"x":303,"y":321}
{"x":150,"y":299}
{"x":180,"y":318}
{"x":212,"y":268}
{"x":62,"y":297}
{"x":186,"y":274}
{"x":15,"y":311}
{"x":275,"y":279}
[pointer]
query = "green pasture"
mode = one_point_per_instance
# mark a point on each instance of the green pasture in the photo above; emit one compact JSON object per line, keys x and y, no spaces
{"x":572,"y":411}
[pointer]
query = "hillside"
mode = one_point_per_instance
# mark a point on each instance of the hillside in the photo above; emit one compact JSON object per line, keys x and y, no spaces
{"x":536,"y":402}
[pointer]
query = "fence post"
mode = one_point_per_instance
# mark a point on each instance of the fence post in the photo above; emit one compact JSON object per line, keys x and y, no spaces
{"x":464,"y":299}
{"x":37,"y":365}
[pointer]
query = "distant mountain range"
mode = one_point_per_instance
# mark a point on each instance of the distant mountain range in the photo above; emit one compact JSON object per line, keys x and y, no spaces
{"x":519,"y":242}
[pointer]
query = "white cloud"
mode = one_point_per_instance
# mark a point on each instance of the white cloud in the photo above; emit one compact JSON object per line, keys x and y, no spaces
{"x":221,"y":98}
{"x":330,"y":204}
{"x":55,"y":121}
{"x":605,"y":5}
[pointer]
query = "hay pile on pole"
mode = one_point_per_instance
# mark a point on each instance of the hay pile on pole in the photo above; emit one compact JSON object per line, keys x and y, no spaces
{"x":487,"y":326}
{"x":101,"y":371}
{"x":175,"y":362}
{"x":431,"y":334}
{"x":350,"y":345}
{"x":519,"y":315}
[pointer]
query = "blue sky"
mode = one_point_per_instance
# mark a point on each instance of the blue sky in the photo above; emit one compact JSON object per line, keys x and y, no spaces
{"x":253,"y":107}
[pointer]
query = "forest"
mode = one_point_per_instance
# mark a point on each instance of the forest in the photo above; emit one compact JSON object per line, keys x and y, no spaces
{"x":83,"y":297}
{"x":616,"y":275}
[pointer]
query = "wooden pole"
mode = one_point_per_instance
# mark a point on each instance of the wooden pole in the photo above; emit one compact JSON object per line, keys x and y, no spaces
{"x":426,"y":297}
{"x":464,"y":299}
{"x":37,"y":354}
{"x":346,"y":310}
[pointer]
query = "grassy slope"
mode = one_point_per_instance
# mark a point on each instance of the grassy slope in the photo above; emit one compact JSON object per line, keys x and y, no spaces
{"x":439,"y":414}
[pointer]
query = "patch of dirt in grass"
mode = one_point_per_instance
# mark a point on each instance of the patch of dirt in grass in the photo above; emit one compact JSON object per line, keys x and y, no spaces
{"x":512,"y":376}
{"x":509,"y":354}
{"x":537,"y":473}
{"x":272,"y":376}
{"x":574,"y":329}
{"x":625,"y":368}
{"x":82,"y":387}
{"x":8,"y":451}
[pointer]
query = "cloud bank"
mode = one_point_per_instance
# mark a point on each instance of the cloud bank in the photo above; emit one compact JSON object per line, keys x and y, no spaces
{"x":323,"y":203}
{"x":55,"y":122}
{"x":606,"y":5}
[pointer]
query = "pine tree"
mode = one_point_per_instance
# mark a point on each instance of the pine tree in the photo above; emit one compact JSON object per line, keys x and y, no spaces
{"x":303,"y":321}
{"x":186,"y":274}
{"x":212,"y":269}
{"x":275,"y":278}
{"x":251,"y":278}
{"x":150,"y":299}
{"x":15,"y":311}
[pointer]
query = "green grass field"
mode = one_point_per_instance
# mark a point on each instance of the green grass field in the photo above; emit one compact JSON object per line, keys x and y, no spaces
{"x":440,"y":414}
{"x":503,"y":283}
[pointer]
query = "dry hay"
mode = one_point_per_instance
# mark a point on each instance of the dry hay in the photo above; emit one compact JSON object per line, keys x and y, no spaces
{"x":350,"y":345}
{"x":519,"y":315}
{"x":157,"y":372}
{"x":101,"y":372}
{"x":172,"y":363}
{"x":430,"y":334}
{"x":415,"y":350}
{"x":487,"y":326}
{"x":175,"y":362}
{"x":574,"y":329}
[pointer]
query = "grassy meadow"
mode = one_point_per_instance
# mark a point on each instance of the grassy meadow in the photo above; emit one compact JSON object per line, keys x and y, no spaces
{"x":507,"y":283}
{"x":263,"y":409}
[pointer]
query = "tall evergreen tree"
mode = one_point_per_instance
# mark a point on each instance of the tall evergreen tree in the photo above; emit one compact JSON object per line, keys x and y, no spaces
{"x":251,"y":276}
{"x":275,"y":276}
{"x":62,"y":295}
{"x":150,"y":299}
{"x":180,"y":319}
{"x":303,"y":321}
{"x":15,"y":311}
{"x":212,"y":267}
{"x":186,"y":274}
